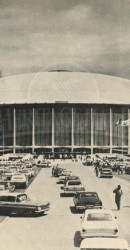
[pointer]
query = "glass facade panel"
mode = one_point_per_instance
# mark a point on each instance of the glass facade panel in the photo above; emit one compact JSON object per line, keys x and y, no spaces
{"x":63,"y":126}
{"x":101,"y":126}
{"x":82,"y":126}
{"x":43,"y":126}
{"x":6,"y":127}
{"x":120,"y":133}
{"x":24,"y":127}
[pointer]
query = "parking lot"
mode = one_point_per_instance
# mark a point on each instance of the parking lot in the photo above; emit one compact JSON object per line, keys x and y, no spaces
{"x":59,"y":228}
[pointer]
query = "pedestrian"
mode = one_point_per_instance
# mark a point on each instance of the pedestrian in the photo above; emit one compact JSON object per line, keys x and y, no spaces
{"x":118,"y":193}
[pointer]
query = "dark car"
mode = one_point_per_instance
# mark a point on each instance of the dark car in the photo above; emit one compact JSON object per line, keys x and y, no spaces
{"x":87,"y":200}
{"x":20,"y":204}
{"x":127,"y":169}
{"x":57,"y":171}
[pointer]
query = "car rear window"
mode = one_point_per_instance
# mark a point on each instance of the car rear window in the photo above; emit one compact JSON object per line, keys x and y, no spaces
{"x":99,"y":217}
{"x":88,"y":195}
{"x":73,"y":183}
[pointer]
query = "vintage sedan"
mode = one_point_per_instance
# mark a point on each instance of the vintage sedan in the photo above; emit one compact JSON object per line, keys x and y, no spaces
{"x":73,"y":186}
{"x":19,"y":180}
{"x":104,"y":172}
{"x":98,"y":223}
{"x":86,"y":200}
{"x":71,"y":177}
{"x":63,"y":174}
{"x":104,"y":244}
{"x":20,"y":204}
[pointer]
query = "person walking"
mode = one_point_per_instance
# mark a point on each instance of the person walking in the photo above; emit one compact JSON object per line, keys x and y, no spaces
{"x":118,"y":193}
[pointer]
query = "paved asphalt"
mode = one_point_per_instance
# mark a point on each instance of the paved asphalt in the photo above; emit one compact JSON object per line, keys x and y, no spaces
{"x":59,"y":228}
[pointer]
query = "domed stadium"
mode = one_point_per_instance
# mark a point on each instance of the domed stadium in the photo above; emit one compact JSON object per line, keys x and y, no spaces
{"x":59,"y":111}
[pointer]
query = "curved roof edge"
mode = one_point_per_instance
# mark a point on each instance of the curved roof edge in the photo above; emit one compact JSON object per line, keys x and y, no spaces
{"x":64,"y":86}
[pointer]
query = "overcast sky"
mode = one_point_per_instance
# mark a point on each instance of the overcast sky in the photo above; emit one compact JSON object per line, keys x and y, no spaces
{"x":92,"y":35}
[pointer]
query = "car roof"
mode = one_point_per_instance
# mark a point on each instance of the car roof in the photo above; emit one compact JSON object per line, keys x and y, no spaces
{"x":85,"y":192}
{"x":10,"y":193}
{"x":98,"y":211}
{"x":94,"y":243}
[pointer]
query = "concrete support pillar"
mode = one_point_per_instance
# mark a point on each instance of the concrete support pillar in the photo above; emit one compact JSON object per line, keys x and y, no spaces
{"x":91,"y":130}
{"x":72,"y":130}
{"x":14,"y":131}
{"x":53,"y":131}
{"x":110,"y":131}
{"x":33,"y":130}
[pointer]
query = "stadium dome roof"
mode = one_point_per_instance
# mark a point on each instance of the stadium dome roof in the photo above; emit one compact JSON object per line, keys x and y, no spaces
{"x":71,"y":87}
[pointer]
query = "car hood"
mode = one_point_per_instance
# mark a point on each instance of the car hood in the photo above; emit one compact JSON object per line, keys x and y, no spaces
{"x":99,"y":224}
{"x":35,"y":203}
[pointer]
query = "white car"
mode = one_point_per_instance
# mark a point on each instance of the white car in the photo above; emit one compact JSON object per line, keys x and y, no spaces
{"x":104,"y":244}
{"x":27,"y":172}
{"x":19,"y":180}
{"x":73,"y":186}
{"x":63,"y":174}
{"x":98,"y":223}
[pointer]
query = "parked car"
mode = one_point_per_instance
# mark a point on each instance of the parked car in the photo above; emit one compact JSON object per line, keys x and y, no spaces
{"x":8,"y":173}
{"x":42,"y":164}
{"x":98,"y":223}
{"x":27,"y":172}
{"x":86,"y":200}
{"x":20,"y":204}
{"x":19,"y":180}
{"x":104,"y":244}
{"x":73,"y":186}
{"x":127,"y":169}
{"x":5,"y":185}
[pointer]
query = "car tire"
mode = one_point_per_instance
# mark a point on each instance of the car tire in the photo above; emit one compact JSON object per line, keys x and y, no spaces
{"x":30,"y":212}
{"x":99,"y":175}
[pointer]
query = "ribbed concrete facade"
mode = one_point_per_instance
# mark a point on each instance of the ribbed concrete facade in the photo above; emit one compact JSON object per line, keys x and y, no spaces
{"x":64,"y":112}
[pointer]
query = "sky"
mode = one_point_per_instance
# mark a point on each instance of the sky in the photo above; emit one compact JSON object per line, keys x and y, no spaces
{"x":87,"y":35}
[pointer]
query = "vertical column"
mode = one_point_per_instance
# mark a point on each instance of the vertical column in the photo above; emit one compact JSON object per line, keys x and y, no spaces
{"x":72,"y":129}
{"x":110,"y":131}
{"x":91,"y":130}
{"x":129,"y":132}
{"x":53,"y":131}
{"x":33,"y":130}
{"x":14,"y":130}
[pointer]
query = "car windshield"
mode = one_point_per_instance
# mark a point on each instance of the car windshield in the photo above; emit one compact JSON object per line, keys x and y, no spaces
{"x":17,"y":177}
{"x":22,"y":197}
{"x":99,"y":217}
{"x":74,"y":183}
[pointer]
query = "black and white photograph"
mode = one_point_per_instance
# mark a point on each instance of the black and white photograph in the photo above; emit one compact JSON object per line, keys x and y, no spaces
{"x":65,"y":124}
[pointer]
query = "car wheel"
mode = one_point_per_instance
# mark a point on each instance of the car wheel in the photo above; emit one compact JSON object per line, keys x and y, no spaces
{"x":99,"y":175}
{"x":76,"y":208}
{"x":30,"y":212}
